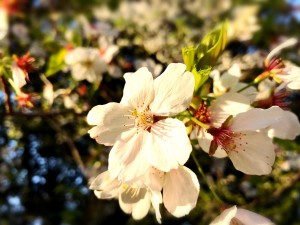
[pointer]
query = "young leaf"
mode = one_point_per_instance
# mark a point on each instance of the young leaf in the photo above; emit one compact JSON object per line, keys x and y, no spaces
{"x":188,"y":55}
{"x":211,"y":47}
{"x":200,"y":77}
{"x":56,"y":62}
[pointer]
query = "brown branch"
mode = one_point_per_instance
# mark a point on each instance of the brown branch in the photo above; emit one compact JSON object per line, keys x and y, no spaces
{"x":74,"y":151}
{"x":42,"y":114}
{"x":290,"y":182}
{"x":8,"y":104}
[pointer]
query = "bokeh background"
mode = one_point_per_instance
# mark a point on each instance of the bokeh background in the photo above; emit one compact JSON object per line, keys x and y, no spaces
{"x":46,"y":155}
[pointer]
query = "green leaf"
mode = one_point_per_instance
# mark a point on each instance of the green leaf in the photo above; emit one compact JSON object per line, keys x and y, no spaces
{"x":56,"y":62}
{"x":211,"y":47}
{"x":200,"y":77}
{"x":188,"y":55}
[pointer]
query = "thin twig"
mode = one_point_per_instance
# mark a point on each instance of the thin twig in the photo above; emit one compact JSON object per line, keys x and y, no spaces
{"x":292,"y":180}
{"x":69,"y":142}
{"x":42,"y":114}
{"x":205,"y":179}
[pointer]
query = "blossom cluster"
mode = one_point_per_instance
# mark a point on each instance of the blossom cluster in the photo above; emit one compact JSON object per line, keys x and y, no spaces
{"x":150,"y":145}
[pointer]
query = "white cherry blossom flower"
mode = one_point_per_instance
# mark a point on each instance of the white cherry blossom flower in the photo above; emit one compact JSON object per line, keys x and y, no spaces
{"x":180,"y":192}
{"x":238,"y":216}
{"x":86,"y":64}
{"x":20,"y":68}
{"x":135,"y":199}
{"x":139,"y":126}
{"x":248,"y":130}
{"x":228,"y":104}
{"x":281,"y":72}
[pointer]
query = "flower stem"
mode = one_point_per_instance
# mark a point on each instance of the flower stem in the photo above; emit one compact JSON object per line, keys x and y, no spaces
{"x":203,"y":125}
{"x":248,"y":85}
{"x":205,"y":179}
{"x":264,"y":75}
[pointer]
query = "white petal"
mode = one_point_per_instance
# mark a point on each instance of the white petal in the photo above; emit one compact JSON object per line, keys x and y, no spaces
{"x":111,"y":121}
{"x":138,"y":90}
{"x":99,"y":65}
{"x":227,"y":81}
{"x":18,"y":76}
{"x":104,"y":187}
{"x":256,"y":119}
{"x":294,"y":85}
{"x":168,"y":145}
{"x":91,"y":76}
{"x":79,"y":71}
{"x":254,"y":153}
{"x":250,"y":218}
{"x":154,"y":179}
{"x":156,"y":200}
{"x":141,"y":208}
{"x":81,"y":55}
{"x":4,"y":24}
{"x":288,"y":43}
{"x":226,"y":105}
{"x":225,"y":217}
{"x":180,"y":191}
{"x":286,"y":128}
{"x":126,"y":207}
{"x":127,"y":159}
{"x":173,"y":90}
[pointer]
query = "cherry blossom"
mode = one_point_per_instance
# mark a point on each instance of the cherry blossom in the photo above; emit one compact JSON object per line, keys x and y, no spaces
{"x":86,"y":64}
{"x":139,"y":126}
{"x":20,"y":67}
{"x":275,"y":67}
{"x":180,"y":192}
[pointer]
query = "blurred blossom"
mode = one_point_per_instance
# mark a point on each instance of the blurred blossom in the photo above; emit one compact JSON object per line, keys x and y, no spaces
{"x":291,"y":162}
{"x":244,"y":23}
{"x":96,"y":29}
{"x":86,"y":64}
{"x":20,"y":31}
{"x":154,"y":68}
{"x":286,"y":74}
{"x":48,"y":92}
{"x":26,"y":100}
{"x":212,"y":8}
{"x":108,"y":50}
{"x":230,"y":82}
{"x":3,"y":22}
{"x":21,"y":66}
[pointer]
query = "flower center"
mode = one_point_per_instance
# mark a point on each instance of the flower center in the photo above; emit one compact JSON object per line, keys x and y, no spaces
{"x":143,"y":119}
{"x":203,"y":114}
{"x":227,"y":139}
{"x":275,"y":65}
